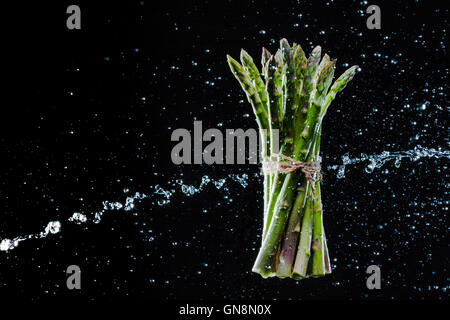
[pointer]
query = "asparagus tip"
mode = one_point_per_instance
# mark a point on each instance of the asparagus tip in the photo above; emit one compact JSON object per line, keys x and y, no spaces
{"x":317,"y":50}
{"x":284,"y":44}
{"x":266,"y":52}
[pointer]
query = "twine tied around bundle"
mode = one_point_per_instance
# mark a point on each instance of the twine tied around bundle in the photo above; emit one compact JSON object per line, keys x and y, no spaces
{"x":311,"y":169}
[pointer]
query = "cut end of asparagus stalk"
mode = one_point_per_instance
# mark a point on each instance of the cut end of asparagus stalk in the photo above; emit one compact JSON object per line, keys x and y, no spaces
{"x":264,"y":272}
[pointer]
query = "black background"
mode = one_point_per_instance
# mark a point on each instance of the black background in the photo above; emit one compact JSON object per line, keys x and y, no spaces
{"x":87,"y":113}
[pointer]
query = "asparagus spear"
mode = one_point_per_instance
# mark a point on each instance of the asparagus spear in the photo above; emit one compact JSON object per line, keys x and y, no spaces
{"x":304,"y":247}
{"x":252,"y":92}
{"x":248,"y":76}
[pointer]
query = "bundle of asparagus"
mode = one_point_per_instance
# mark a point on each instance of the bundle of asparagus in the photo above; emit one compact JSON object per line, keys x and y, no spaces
{"x":293,"y":98}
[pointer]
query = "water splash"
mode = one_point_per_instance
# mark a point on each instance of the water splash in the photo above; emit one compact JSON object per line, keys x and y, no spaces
{"x":160,"y":196}
{"x":378,"y":160}
{"x":51,"y":228}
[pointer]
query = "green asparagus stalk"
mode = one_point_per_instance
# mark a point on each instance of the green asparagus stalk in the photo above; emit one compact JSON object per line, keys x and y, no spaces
{"x":274,"y":89}
{"x":318,"y":246}
{"x":304,"y":247}
{"x":248,"y":85}
{"x":289,"y":244}
{"x":318,"y":253}
{"x":327,"y":257}
{"x":248,"y":76}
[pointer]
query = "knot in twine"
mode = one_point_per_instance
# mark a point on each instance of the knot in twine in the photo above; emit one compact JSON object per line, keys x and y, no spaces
{"x":311,"y":170}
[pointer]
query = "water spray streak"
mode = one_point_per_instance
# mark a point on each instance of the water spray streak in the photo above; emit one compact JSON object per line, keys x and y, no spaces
{"x":162,"y":196}
{"x":378,"y":160}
